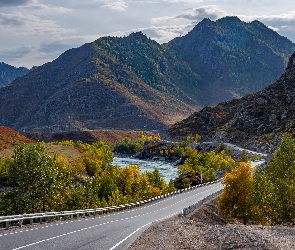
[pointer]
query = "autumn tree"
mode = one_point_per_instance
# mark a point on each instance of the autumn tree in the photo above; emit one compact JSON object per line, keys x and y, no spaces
{"x":96,"y":159}
{"x":236,"y":200}
{"x":4,"y":166}
{"x":129,"y":146}
{"x":35,"y":181}
{"x":205,"y":163}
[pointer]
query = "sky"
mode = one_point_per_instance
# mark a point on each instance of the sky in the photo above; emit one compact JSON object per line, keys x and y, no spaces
{"x":34,"y":32}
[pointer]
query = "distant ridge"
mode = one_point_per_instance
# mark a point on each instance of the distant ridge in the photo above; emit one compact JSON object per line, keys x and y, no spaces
{"x":134,"y":83}
{"x":9,"y":73}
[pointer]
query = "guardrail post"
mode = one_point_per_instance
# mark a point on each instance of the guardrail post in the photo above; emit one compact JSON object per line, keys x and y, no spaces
{"x":7,"y":225}
{"x":20,"y":223}
{"x":31,"y":221}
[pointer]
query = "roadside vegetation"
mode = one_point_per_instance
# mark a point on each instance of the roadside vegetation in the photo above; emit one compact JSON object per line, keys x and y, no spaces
{"x":37,"y":181}
{"x":266,"y":195}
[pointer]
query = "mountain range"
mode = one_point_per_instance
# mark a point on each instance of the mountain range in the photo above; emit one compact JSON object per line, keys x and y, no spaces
{"x":258,"y":119}
{"x":135,"y":83}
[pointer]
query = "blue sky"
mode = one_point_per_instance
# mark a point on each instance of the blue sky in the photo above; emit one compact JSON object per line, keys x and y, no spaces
{"x":34,"y":32}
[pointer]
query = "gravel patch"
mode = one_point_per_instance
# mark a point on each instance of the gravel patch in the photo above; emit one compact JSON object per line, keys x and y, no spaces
{"x":204,"y":229}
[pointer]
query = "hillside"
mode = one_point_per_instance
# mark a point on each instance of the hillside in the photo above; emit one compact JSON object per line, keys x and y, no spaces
{"x":134,"y":83}
{"x":232,"y":57}
{"x":10,"y":138}
{"x":8,"y":73}
{"x":86,"y":88}
{"x":259,"y":118}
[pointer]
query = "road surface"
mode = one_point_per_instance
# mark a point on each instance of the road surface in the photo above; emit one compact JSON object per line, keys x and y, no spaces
{"x":111,"y":231}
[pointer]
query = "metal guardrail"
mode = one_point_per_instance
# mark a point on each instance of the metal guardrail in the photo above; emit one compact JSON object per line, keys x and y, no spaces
{"x":47,"y":217}
{"x":199,"y":203}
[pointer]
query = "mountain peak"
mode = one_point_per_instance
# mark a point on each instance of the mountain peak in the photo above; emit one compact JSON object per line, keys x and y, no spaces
{"x":229,"y":19}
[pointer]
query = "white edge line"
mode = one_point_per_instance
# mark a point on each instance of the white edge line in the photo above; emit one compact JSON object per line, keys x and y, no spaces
{"x":119,"y":243}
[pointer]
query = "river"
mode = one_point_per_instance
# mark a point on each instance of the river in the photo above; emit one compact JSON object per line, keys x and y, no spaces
{"x":167,"y":170}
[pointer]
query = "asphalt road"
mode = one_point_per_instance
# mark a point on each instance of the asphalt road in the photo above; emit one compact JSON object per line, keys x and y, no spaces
{"x":111,"y":231}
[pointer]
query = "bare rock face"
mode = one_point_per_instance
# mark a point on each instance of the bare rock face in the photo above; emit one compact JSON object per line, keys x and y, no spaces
{"x":259,"y":118}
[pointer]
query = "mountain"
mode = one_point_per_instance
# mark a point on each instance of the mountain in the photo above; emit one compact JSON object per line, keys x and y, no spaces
{"x":259,"y":118}
{"x":8,"y":73}
{"x":232,"y":57}
{"x":87,"y":88}
{"x":135,"y":83}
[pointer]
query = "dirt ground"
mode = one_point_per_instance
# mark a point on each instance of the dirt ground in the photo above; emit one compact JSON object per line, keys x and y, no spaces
{"x":204,"y":229}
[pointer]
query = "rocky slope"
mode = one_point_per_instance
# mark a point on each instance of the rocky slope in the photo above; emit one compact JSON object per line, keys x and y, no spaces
{"x":135,"y":83}
{"x":258,"y":118}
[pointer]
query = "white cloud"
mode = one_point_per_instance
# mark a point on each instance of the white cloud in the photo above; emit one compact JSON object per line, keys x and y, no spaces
{"x":27,"y":24}
{"x":43,"y":9}
{"x":273,"y":28}
{"x":284,"y":17}
{"x":197,"y":14}
{"x":163,"y":34}
{"x":118,"y":5}
{"x":194,"y":14}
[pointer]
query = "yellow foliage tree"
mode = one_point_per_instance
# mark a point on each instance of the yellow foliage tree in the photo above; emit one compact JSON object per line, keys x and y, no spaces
{"x":236,"y":200}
